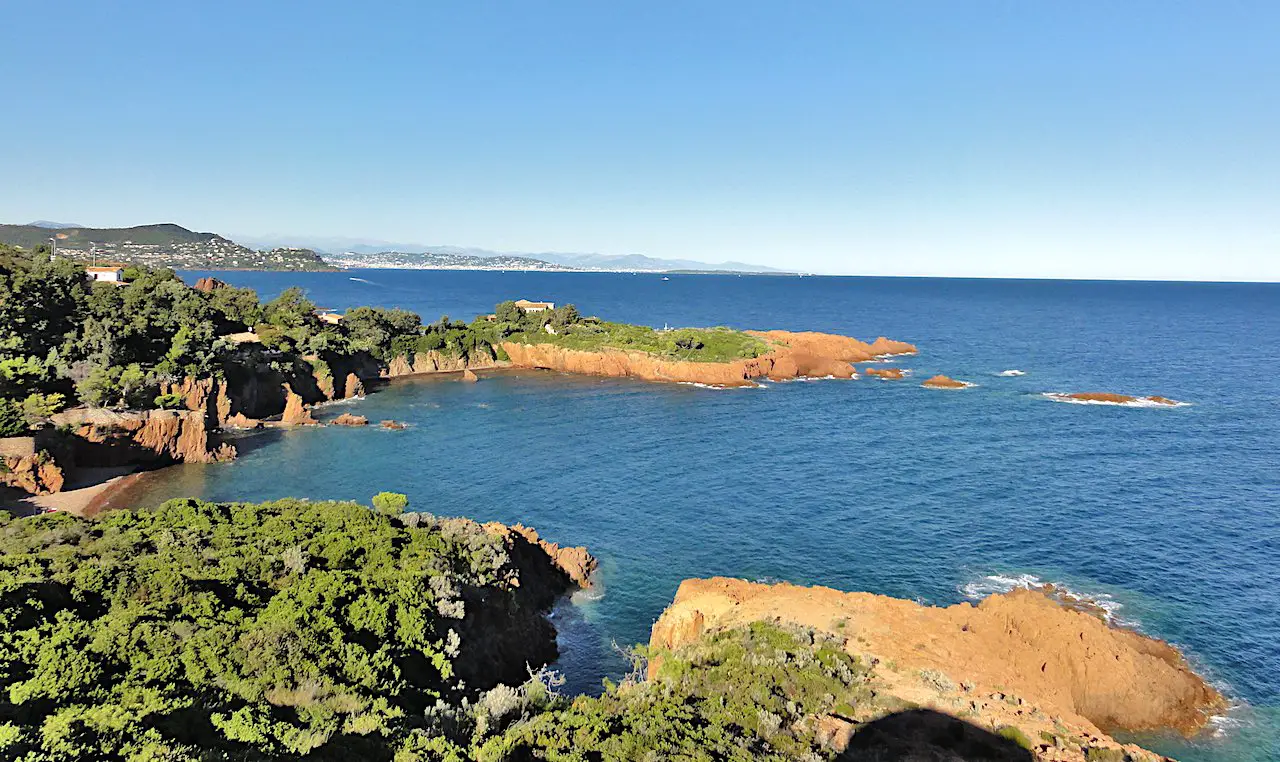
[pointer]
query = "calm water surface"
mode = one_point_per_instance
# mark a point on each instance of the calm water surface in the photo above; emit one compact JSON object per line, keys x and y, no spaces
{"x":1171,"y":517}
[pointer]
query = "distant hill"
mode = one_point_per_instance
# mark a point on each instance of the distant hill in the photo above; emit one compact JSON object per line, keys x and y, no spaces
{"x":346,"y":251}
{"x":163,"y":245}
{"x":54,"y":225}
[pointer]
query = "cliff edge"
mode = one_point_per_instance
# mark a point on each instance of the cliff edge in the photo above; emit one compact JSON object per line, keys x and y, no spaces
{"x":1019,"y":659}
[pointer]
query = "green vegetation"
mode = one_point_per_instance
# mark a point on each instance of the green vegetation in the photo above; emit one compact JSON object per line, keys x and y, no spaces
{"x":572,"y":331}
{"x":234,"y":631}
{"x":65,"y":339}
{"x":1017,"y":736}
{"x":747,"y":694}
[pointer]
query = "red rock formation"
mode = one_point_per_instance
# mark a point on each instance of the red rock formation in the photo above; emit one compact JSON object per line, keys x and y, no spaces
{"x":207,"y":395}
{"x":208,"y":285}
{"x":575,"y":562}
{"x":794,"y":355}
{"x":242,"y":421}
{"x":347,"y":419}
{"x":393,"y":425}
{"x":1022,"y":644}
{"x":36,"y":474}
{"x":1117,"y":399}
{"x":163,"y":435}
{"x":885,"y":373}
{"x":945,"y":382}
{"x":352,"y":387}
{"x":469,"y":376}
{"x":296,"y":412}
{"x":437,"y":362}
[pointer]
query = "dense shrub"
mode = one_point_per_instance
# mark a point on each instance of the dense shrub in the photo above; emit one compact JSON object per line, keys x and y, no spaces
{"x":219,"y":631}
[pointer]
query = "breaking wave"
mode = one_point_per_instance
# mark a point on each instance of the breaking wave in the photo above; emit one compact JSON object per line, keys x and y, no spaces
{"x":1103,"y":604}
{"x":1012,"y":372}
{"x":1145,"y":402}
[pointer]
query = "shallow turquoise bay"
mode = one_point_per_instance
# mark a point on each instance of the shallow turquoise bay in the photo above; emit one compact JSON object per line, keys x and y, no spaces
{"x":1171,"y":517}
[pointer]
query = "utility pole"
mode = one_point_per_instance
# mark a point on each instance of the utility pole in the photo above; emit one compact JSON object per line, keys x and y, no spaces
{"x":55,"y":247}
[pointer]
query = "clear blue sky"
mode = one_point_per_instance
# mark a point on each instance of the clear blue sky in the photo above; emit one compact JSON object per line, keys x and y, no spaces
{"x":1080,"y":139}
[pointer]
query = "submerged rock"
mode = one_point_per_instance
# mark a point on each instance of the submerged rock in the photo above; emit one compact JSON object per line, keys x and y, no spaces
{"x":393,"y":425}
{"x":890,"y":374}
{"x":469,"y":377}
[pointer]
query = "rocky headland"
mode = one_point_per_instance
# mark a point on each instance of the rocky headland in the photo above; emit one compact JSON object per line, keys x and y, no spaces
{"x":791,"y":355}
{"x":1062,"y":677}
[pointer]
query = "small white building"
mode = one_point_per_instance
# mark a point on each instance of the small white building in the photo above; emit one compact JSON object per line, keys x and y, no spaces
{"x":527,"y":306}
{"x":106,"y":274}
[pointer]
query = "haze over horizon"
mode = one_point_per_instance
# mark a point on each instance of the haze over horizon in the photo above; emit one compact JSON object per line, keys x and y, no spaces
{"x":995,"y":139}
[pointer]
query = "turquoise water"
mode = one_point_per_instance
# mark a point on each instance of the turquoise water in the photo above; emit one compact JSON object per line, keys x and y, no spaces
{"x":1171,"y":517}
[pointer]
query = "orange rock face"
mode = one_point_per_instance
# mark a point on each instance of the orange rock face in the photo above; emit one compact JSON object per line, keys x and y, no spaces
{"x":944,"y":382}
{"x":794,"y":355}
{"x":393,"y":425}
{"x":885,"y":373}
{"x":436,"y":362}
{"x":176,"y":435}
{"x":575,"y":562}
{"x":353,"y":386}
{"x":296,"y":412}
{"x":34,"y":474}
{"x":469,"y":376}
{"x":347,"y":419}
{"x":1022,"y":643}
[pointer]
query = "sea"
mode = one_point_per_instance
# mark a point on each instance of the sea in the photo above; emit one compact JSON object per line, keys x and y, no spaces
{"x":1166,"y":517}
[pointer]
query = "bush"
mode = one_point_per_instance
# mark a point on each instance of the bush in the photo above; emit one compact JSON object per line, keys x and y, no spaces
{"x":1099,"y":754}
{"x":40,"y":407}
{"x":390,"y":503}
{"x":1016,"y":735}
{"x":169,"y":401}
{"x":12,"y":421}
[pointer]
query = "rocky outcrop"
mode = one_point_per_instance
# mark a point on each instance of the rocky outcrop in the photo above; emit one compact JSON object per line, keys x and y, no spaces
{"x":209,"y":284}
{"x":435,"y":361}
{"x":1115,"y":399}
{"x":1019,"y":658}
{"x":296,"y":412}
{"x":576,"y":563}
{"x":352,"y":387}
{"x":945,"y":382}
{"x":36,"y":474}
{"x":110,"y":438}
{"x":347,"y":419}
{"x":792,"y":355}
{"x":835,"y":347}
{"x":469,"y":376}
{"x":888,"y":374}
{"x":393,"y":425}
{"x":242,"y":421}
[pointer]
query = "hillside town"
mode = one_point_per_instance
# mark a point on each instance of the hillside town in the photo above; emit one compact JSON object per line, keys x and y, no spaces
{"x":215,"y":253}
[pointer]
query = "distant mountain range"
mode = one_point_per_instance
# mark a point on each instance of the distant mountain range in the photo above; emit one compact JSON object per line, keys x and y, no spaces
{"x":349,"y":251}
{"x":170,"y":245}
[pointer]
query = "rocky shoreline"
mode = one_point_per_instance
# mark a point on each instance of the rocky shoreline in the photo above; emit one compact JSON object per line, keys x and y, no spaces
{"x":1063,"y":677}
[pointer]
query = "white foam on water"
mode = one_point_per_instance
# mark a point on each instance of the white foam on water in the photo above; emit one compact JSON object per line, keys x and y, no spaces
{"x":1142,"y":402}
{"x":992,"y":584}
{"x":362,"y":280}
{"x":1012,"y":372}
{"x":720,"y":387}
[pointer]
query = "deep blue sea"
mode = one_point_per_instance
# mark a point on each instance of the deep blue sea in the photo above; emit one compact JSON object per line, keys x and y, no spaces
{"x":1171,"y":517}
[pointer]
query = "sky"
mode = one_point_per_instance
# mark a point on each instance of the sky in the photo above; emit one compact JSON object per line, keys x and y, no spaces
{"x":983,"y":138}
